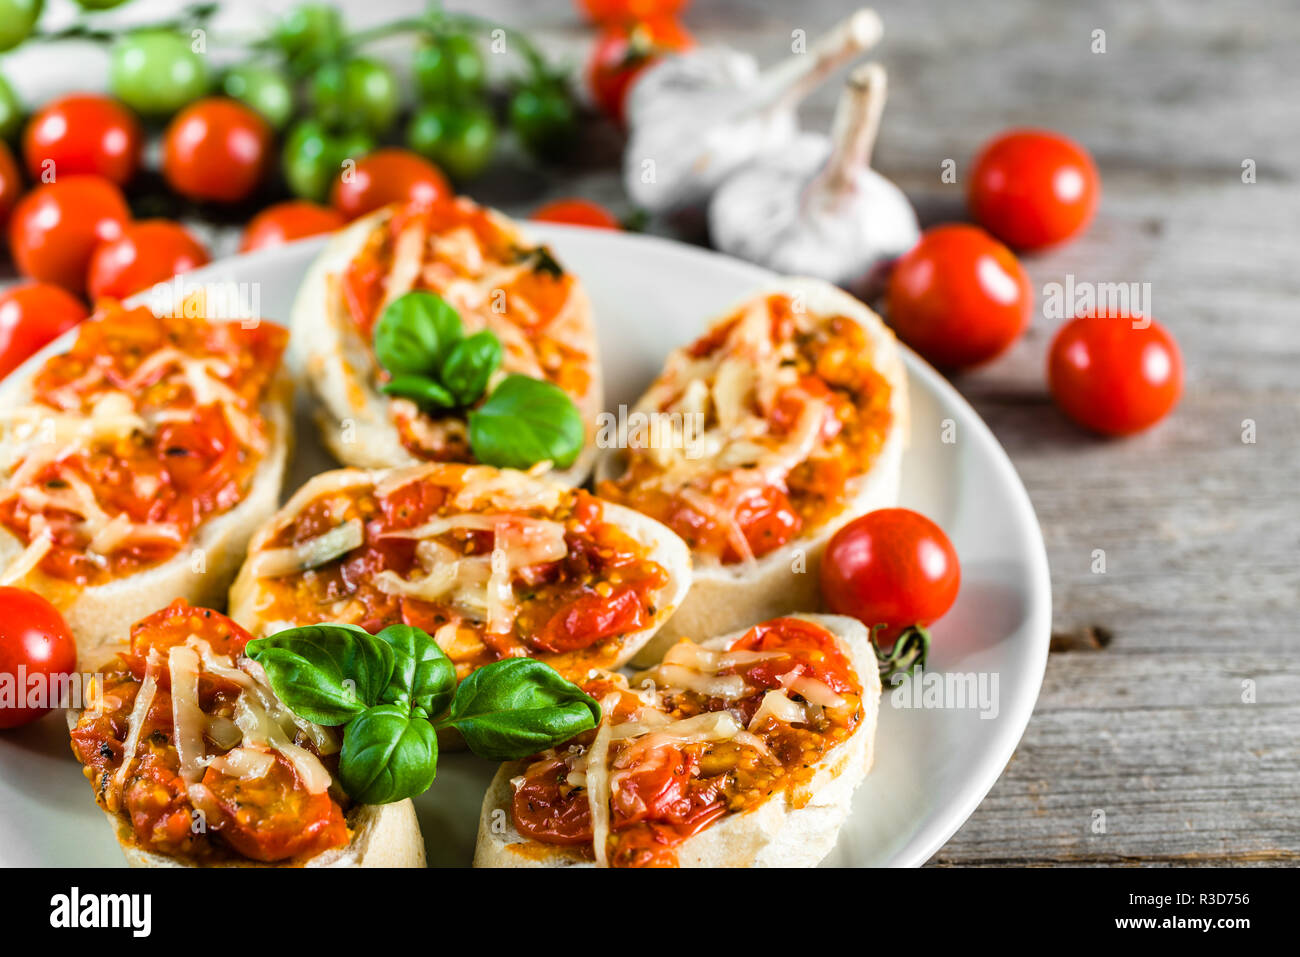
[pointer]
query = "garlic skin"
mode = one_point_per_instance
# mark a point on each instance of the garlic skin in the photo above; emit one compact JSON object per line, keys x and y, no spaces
{"x":686,"y":134}
{"x":696,"y":117}
{"x":816,"y":207}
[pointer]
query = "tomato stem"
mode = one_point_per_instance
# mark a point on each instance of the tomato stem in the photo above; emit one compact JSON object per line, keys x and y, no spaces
{"x":909,"y":652}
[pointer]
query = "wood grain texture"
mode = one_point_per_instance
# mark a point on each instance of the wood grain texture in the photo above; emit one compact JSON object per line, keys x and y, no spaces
{"x":1201,"y":530}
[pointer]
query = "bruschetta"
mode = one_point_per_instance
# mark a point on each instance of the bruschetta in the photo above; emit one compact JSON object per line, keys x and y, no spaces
{"x":139,"y":454}
{"x":196,"y":763}
{"x":492,"y":563}
{"x":741,"y":751}
{"x":785,"y":420}
{"x":493,"y":275}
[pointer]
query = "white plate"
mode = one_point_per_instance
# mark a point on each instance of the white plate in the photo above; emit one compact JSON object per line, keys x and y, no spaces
{"x":933,"y":766}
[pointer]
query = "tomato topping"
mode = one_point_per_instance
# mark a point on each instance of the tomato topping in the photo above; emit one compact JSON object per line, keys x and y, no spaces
{"x":664,"y":792}
{"x":591,"y":618}
{"x":273,"y":817}
{"x":809,"y":648}
{"x":198,"y":462}
{"x":268,"y":817}
{"x":179,"y":621}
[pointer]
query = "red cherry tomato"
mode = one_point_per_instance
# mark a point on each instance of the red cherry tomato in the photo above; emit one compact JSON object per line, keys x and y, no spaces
{"x":576,"y":212}
{"x":216,"y":149}
{"x":386,"y":176}
{"x":57,"y":226}
{"x":892,"y":567}
{"x":83,"y":133}
{"x":34,"y":637}
{"x":621,"y":11}
{"x":1112,"y":377}
{"x":958,"y":297}
{"x":1034,"y":188}
{"x":11,"y":182}
{"x":622,"y":51}
{"x":31,"y":315}
{"x":146,"y":253}
{"x":287,"y":221}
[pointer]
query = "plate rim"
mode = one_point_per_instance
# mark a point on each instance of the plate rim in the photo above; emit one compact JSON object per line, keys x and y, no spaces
{"x":931,"y":836}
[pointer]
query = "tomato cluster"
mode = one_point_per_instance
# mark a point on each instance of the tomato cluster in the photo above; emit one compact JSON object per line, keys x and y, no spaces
{"x":960,"y":297}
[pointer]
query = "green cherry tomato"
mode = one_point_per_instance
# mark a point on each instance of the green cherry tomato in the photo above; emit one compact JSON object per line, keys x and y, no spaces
{"x":449,"y":68}
{"x":156,"y":72}
{"x":17,"y":17}
{"x":262,"y":88}
{"x":99,"y":4}
{"x":458,"y":139}
{"x":313,"y":157}
{"x":358,"y":94}
{"x":11,"y":111}
{"x":543,"y":117}
{"x":310,"y":33}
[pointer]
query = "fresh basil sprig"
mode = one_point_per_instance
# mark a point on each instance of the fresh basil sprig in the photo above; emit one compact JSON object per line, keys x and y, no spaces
{"x":421,"y":342}
{"x":392,"y":692}
{"x":525,"y":421}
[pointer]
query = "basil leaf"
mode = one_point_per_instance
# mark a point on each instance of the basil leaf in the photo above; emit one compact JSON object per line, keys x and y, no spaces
{"x":415,"y":333}
{"x":525,"y":421}
{"x":325,"y":673}
{"x":387,"y":755}
{"x":423,"y":676}
{"x":518,"y":706}
{"x":422,"y":391}
{"x":470,"y":364}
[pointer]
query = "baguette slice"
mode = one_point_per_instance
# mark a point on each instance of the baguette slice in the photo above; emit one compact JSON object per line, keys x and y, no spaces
{"x":338,"y":365}
{"x":201,"y":572}
{"x":775,"y":833}
{"x":253,"y":599}
{"x":725,"y":597}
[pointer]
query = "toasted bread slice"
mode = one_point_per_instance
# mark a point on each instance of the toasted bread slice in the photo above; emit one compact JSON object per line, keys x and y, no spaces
{"x":787,"y":829}
{"x":725,"y":597}
{"x":328,"y":351}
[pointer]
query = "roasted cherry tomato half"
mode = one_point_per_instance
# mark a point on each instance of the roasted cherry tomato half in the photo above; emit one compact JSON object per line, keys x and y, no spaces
{"x":622,"y":51}
{"x":1113,"y":373}
{"x":83,"y":133}
{"x":959,"y":297}
{"x":216,"y":149}
{"x":287,"y":221}
{"x":31,"y":315}
{"x":56,"y":227}
{"x":576,"y":212}
{"x":1034,"y":188}
{"x":891,"y":567}
{"x":387,"y":176}
{"x":35,"y":638}
{"x":147,"y":252}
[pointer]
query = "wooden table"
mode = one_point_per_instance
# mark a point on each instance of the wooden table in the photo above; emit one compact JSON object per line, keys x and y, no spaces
{"x":1141,"y":715}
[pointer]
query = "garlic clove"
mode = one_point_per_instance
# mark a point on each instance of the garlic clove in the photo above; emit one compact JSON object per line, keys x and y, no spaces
{"x":696,"y":117}
{"x":817,"y":208}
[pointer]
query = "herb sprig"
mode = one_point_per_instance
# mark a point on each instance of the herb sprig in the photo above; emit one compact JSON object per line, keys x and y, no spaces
{"x":392,"y":693}
{"x":420,"y":341}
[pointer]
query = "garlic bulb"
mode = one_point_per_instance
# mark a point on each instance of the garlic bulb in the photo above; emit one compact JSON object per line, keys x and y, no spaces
{"x":816,"y":208}
{"x":696,"y":117}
